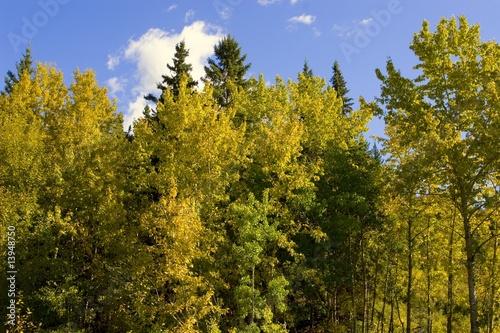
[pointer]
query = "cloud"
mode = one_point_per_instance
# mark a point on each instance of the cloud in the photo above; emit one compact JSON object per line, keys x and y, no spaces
{"x":293,"y":2}
{"x":115,"y":85}
{"x":304,"y":19}
{"x":154,"y":49}
{"x":316,"y":32}
{"x":171,"y":7}
{"x":268,"y":2}
{"x":113,"y":61}
{"x":189,"y":15}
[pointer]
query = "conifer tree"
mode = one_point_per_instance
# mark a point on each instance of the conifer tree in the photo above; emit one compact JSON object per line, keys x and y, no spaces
{"x":306,"y":70}
{"x":25,"y":65}
{"x":179,"y":67}
{"x":339,"y":84}
{"x":227,"y":66}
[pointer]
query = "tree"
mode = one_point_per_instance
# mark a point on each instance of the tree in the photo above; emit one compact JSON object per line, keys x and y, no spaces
{"x":25,"y":65}
{"x":340,"y":86}
{"x":454,"y":101}
{"x":306,"y":70}
{"x":179,"y":68}
{"x":227,"y":66}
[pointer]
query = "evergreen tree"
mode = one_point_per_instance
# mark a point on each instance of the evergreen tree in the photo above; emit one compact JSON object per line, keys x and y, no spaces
{"x":25,"y":65}
{"x":339,"y":84}
{"x":227,"y":66}
{"x":306,"y":70}
{"x":180,"y":67}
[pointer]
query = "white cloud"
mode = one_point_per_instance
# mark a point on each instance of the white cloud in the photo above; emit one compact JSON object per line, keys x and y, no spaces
{"x":115,"y":85}
{"x":171,"y":7}
{"x":293,"y":2}
{"x":304,"y":19}
{"x":153,"y":50}
{"x":189,"y":16}
{"x":267,"y":2}
{"x":316,"y":32}
{"x":113,"y":61}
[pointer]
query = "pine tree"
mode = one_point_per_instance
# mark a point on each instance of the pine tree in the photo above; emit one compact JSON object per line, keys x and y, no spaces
{"x":180,"y":67}
{"x":227,"y":66}
{"x":339,"y":84}
{"x":25,"y":65}
{"x":306,"y":70}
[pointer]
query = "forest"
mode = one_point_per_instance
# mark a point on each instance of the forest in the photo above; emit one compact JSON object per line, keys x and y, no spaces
{"x":239,"y":205}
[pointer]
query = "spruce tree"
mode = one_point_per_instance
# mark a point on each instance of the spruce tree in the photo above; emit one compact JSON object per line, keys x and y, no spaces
{"x":227,"y":66}
{"x":308,"y":72}
{"x":339,"y":84}
{"x":25,"y":65}
{"x":179,"y":68}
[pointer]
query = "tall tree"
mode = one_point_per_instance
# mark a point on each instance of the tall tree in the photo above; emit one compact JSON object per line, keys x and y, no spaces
{"x":179,"y":68}
{"x":25,"y":65}
{"x":454,"y":101}
{"x":306,"y":70}
{"x":340,"y":86}
{"x":227,"y":67}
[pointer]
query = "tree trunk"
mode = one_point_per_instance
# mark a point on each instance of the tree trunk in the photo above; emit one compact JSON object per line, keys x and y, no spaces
{"x":385,"y":297}
{"x":364,"y":325}
{"x":410,"y":276}
{"x":427,"y":254}
{"x":353,"y":283}
{"x":471,"y":275}
{"x":374,"y":295}
{"x":449,"y":319}
{"x":491,"y":309}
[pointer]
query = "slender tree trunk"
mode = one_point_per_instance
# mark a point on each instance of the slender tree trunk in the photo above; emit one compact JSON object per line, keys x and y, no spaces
{"x":385,"y":297}
{"x":391,"y":321}
{"x":353,"y":283}
{"x":374,"y":295}
{"x":427,"y":254}
{"x":449,"y":319}
{"x":365,"y":286}
{"x":470,"y":249}
{"x":253,"y":295}
{"x":491,"y":310}
{"x":471,"y":275}
{"x":410,"y":276}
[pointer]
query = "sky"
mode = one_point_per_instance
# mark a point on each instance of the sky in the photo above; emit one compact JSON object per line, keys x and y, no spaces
{"x":128,"y":43}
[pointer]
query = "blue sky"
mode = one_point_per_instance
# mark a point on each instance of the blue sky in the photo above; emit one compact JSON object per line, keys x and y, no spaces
{"x":128,"y":43}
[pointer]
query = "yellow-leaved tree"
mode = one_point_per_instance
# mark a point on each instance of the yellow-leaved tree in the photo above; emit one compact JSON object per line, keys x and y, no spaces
{"x":448,"y":116}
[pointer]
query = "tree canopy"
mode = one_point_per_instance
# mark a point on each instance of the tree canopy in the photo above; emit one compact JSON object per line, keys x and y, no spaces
{"x":250,"y":206}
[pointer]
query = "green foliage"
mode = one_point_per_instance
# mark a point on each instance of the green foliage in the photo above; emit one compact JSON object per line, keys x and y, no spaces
{"x":254,"y":207}
{"x":454,"y":101}
{"x":178,"y":69}
{"x":24,"y":66}
{"x":339,"y":84}
{"x":228,"y":66}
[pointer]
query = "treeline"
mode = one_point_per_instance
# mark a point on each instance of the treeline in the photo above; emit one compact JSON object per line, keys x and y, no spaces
{"x":242,"y":206}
